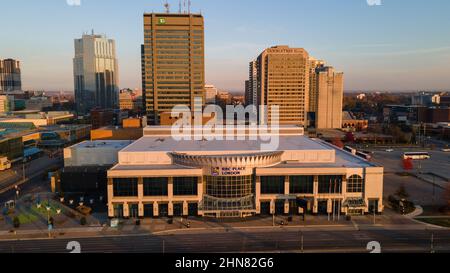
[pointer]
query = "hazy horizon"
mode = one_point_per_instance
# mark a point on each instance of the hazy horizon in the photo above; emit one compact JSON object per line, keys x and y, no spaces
{"x":393,"y":47}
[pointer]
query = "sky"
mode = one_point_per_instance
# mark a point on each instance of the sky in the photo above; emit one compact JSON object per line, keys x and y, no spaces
{"x":400,"y":45}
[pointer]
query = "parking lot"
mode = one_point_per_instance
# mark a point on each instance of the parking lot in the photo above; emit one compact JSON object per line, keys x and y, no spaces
{"x":433,"y":173}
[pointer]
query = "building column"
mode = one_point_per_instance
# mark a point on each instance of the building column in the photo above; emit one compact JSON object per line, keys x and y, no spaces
{"x":110,"y":194}
{"x":286,"y":185}
{"x":185,"y":208}
{"x":316,"y":206}
{"x":170,"y":188}
{"x":170,"y":193}
{"x":286,"y":207}
{"x":140,"y":188}
{"x":141,"y":197}
{"x":200,"y":187}
{"x":258,"y":194}
{"x":344,"y":185}
{"x":330,"y":205}
{"x":272,"y":206}
{"x":140,"y":210}
{"x":316,"y":185}
{"x":155,"y":209}
{"x":170,"y":207}
{"x":126,"y":211}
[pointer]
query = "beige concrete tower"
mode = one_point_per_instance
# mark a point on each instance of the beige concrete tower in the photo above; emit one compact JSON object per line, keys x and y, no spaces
{"x":330,"y":90}
{"x":174,"y":69}
{"x":313,"y":94}
{"x":283,"y":80}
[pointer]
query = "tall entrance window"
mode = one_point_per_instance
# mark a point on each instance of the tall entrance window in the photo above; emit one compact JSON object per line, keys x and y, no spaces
{"x":355,"y":183}
{"x":185,"y":186}
{"x":330,"y":184}
{"x":125,"y":187}
{"x":272,"y":184}
{"x":301,"y":184}
{"x":156,"y":186}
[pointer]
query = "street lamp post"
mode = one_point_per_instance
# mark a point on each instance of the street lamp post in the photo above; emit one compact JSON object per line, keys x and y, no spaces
{"x":302,"y":242}
{"x":23,"y":170}
{"x":48,"y":220}
{"x":432,"y":243}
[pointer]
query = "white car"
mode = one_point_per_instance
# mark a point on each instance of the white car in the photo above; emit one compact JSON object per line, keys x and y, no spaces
{"x":389,"y":150}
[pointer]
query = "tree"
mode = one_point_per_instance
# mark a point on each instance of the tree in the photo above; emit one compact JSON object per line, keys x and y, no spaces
{"x":447,"y":196}
{"x":16,"y":222}
{"x":350,"y":137}
{"x":338,"y":142}
{"x":408,"y":164}
{"x":401,"y":192}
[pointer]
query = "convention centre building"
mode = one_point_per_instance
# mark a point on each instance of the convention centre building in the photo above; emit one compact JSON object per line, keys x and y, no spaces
{"x":161,"y":175}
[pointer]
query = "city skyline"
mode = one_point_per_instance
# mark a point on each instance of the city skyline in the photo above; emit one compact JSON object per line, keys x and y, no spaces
{"x":395,"y":44}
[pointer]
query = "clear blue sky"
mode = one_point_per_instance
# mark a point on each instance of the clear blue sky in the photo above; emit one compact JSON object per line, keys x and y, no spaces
{"x":400,"y":45}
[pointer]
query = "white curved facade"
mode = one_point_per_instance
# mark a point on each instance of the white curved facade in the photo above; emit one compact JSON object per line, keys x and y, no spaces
{"x":159,"y":176}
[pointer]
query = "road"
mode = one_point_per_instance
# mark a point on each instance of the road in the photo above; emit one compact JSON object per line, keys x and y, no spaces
{"x":33,"y":169}
{"x":242,"y":241}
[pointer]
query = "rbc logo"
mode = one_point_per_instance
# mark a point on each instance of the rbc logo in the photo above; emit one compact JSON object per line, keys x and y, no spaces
{"x":374,"y":2}
{"x":73,"y":2}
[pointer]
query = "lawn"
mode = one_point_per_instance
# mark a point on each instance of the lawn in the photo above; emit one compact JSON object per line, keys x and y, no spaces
{"x":27,"y":218}
{"x":443,"y":222}
{"x":43,"y":209}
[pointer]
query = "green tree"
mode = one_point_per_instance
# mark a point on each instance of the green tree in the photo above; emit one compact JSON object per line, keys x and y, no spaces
{"x":401,"y":192}
{"x":16,"y":222}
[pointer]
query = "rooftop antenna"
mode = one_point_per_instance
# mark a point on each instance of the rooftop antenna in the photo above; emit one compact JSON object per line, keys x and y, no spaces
{"x":179,"y":10}
{"x":189,"y":6}
{"x":167,"y":6}
{"x":184,"y":4}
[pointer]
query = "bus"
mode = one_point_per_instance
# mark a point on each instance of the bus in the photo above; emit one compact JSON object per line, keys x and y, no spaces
{"x":416,"y":155}
{"x":364,"y":155}
{"x":350,"y":150}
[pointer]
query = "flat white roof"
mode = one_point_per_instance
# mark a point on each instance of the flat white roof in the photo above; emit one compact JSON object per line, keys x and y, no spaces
{"x":102,"y":144}
{"x":168,"y":144}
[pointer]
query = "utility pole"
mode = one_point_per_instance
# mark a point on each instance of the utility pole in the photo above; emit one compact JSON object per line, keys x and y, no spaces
{"x":374,"y":213}
{"x":432,"y":243}
{"x":302,"y":243}
{"x":23,"y":170}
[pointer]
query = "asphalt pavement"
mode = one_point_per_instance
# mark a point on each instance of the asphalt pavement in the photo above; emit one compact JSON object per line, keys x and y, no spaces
{"x":255,"y":240}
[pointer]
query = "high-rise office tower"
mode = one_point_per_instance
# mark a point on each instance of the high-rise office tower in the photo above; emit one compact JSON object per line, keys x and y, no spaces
{"x":174,"y":68}
{"x":95,"y":73}
{"x":248,"y":96}
{"x":330,"y":96}
{"x":10,"y":75}
{"x":283,"y":80}
{"x":313,"y":65}
{"x":251,"y":86}
{"x":210,"y":94}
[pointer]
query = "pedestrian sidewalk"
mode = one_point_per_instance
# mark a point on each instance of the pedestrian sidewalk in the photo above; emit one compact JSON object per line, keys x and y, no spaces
{"x":162,"y":226}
